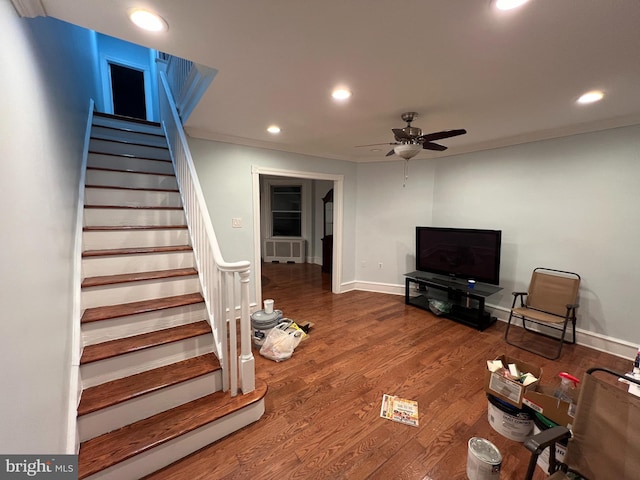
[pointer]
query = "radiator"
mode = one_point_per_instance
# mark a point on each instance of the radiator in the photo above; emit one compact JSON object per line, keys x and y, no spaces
{"x":284,"y":250}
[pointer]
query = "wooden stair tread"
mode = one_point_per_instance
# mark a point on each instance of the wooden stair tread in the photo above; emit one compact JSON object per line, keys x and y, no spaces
{"x":139,"y":189}
{"x":133,"y":308}
{"x":102,"y":137}
{"x":120,"y":346}
{"x":107,"y":228}
{"x":122,"y":128}
{"x":126,"y":119}
{"x":136,"y":250}
{"x":123,"y":141}
{"x":114,"y":447}
{"x":130,"y":170}
{"x":129,"y":155}
{"x":137,"y":277}
{"x":132,"y":207}
{"x":123,"y":389}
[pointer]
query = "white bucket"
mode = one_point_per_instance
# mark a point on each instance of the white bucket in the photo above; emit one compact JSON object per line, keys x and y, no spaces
{"x":510,"y":422}
{"x":483,"y":460}
{"x":262,"y":323}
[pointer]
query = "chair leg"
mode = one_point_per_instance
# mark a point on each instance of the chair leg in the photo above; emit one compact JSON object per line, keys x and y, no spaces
{"x":560,"y":340}
{"x":506,"y":332}
{"x":564,"y":331}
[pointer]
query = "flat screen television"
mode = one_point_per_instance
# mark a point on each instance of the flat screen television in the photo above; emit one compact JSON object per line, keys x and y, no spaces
{"x":464,"y":253}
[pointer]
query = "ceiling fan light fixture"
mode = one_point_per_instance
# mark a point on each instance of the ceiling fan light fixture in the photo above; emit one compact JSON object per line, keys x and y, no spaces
{"x":509,"y":4}
{"x":590,"y":97}
{"x":407,"y":150}
{"x":147,"y":20}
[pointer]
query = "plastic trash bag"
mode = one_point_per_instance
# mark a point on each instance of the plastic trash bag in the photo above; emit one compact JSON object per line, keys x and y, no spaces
{"x":280,"y":344}
{"x":439,"y":307}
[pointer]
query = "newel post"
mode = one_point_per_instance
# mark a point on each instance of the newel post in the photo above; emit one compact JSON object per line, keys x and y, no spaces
{"x":246,"y":360}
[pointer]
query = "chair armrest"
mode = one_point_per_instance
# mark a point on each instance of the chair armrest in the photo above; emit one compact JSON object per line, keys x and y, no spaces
{"x":537,"y":443}
{"x":515,"y":298}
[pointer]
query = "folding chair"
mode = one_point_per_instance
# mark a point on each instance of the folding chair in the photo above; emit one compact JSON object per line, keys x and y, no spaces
{"x":605,"y":439}
{"x":551,"y":302}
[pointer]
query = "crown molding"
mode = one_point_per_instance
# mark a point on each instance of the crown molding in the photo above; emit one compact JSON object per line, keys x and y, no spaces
{"x":29,"y":8}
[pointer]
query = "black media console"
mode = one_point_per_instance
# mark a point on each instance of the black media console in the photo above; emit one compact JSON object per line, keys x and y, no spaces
{"x":466,"y":304}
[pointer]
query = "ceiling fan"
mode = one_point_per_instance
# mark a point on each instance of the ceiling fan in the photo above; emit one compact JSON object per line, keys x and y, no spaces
{"x":410,"y":140}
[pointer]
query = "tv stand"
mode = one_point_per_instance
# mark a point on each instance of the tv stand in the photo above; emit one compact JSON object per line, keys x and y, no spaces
{"x":467,"y":304}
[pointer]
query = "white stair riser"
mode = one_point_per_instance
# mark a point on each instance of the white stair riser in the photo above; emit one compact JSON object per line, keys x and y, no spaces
{"x":130,"y":325}
{"x":108,"y":419}
{"x":141,"y":138}
{"x":143,"y":198}
{"x":144,"y":262}
{"x":100,"y":240}
{"x":130,"y":180}
{"x":119,"y":123}
{"x":167,"y":453}
{"x":127,"y":163}
{"x":121,"y":366}
{"x":96,"y":217}
{"x":104,"y":146}
{"x":138,"y":291}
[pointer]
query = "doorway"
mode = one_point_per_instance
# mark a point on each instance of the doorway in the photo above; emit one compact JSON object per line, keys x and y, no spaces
{"x":127,"y":91}
{"x":338,"y":181}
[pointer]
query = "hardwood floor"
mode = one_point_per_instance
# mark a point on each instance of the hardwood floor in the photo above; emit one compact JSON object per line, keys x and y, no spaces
{"x":322,"y":407}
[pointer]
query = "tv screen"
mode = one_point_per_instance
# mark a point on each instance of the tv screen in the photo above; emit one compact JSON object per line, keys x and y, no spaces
{"x":464,"y":253}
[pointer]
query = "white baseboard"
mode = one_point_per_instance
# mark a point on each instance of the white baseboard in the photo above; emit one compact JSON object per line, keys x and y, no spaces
{"x":603,"y":343}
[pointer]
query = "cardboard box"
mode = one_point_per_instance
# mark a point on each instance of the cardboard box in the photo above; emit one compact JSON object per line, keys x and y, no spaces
{"x":542,"y":401}
{"x":508,"y":390}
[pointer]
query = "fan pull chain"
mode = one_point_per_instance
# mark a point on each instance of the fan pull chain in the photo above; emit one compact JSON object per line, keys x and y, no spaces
{"x":406,"y":173}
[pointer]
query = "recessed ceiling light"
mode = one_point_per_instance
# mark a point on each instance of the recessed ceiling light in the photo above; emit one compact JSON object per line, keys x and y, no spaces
{"x":341,"y":93}
{"x":148,"y":20}
{"x":509,"y":4}
{"x":590,"y":97}
{"x":274,"y":129}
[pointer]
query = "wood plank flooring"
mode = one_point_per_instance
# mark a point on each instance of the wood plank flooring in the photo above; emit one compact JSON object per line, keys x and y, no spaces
{"x":322,"y":408}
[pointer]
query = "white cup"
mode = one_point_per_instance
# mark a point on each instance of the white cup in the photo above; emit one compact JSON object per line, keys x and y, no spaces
{"x":268,"y":306}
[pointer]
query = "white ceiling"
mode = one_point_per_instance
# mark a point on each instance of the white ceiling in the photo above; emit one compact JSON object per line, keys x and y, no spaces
{"x":506,"y":77}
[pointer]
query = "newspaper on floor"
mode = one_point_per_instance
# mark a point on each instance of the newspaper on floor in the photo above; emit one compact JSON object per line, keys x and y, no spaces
{"x":399,"y":410}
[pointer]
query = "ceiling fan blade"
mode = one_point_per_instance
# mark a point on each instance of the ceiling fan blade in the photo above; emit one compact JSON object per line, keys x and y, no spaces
{"x":391,"y":152}
{"x":401,"y":134}
{"x":433,"y":146}
{"x":376,"y":144}
{"x":444,"y":134}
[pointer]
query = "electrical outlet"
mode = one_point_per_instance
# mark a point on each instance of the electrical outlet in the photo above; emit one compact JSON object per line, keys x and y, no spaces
{"x":236,"y":222}
{"x":380,"y":266}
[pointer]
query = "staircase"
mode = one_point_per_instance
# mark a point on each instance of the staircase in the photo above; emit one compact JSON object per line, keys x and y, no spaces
{"x":152,"y":384}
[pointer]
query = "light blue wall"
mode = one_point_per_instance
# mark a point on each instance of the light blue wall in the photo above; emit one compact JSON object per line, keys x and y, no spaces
{"x":389,"y":209}
{"x":46,"y":82}
{"x":225,"y":176}
{"x":120,"y":52}
{"x":570,"y":203}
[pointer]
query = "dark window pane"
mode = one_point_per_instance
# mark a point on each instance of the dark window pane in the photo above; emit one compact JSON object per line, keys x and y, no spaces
{"x":287,"y":203}
{"x":286,"y":224}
